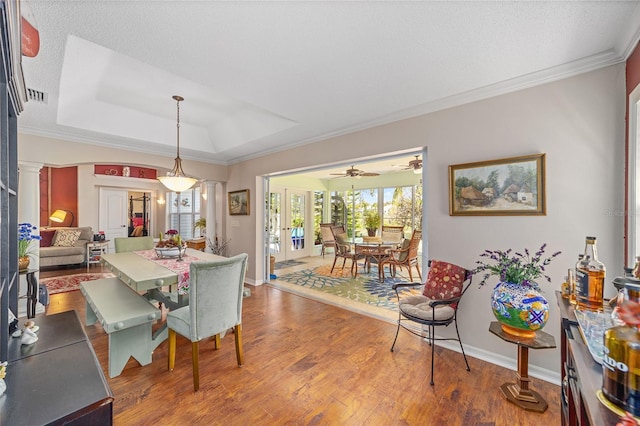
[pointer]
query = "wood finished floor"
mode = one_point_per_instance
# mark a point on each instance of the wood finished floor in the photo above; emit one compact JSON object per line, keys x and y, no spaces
{"x":309,"y":363}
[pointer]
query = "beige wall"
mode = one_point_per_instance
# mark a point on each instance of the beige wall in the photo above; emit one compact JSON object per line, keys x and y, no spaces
{"x":578,"y":122}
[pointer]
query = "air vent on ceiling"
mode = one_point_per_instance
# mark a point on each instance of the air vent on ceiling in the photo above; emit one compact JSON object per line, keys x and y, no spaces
{"x":37,"y":96}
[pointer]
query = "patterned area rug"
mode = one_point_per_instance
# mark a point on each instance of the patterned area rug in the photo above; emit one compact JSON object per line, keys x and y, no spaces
{"x":366,"y":288}
{"x":287,"y":263}
{"x":66,"y":283}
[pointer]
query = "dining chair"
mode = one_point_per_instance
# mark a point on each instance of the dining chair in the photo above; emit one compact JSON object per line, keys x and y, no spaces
{"x":326,"y":236}
{"x":126,"y":244}
{"x":215,"y":306}
{"x":404,"y":257}
{"x":343,"y":249}
{"x":392,"y":233}
{"x":436,"y":306}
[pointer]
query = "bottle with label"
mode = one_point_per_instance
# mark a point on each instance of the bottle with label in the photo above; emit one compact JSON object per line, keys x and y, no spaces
{"x":621,"y":367}
{"x":571,"y":276}
{"x":590,"y":274}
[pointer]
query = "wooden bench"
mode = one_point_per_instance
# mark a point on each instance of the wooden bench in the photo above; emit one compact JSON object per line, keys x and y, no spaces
{"x":125,"y":316}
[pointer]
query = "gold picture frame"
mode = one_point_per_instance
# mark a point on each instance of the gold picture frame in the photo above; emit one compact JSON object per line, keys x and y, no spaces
{"x":505,"y":187}
{"x":239,"y":202}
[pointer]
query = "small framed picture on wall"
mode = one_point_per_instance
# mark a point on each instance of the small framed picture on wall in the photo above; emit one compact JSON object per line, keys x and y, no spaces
{"x":239,"y":202}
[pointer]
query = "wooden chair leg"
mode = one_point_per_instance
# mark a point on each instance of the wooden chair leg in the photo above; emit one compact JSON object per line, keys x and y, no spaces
{"x":216,"y":341}
{"x":410,"y":276}
{"x":195,"y":355}
{"x":172,"y":349}
{"x":334,"y":263}
{"x":239,"y":352}
{"x":419,"y":274}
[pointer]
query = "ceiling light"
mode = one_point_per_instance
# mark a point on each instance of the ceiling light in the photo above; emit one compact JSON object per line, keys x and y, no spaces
{"x":176,"y":180}
{"x":417,"y":170}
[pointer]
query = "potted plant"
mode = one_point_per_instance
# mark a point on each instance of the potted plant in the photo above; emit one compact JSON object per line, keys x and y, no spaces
{"x":200,"y":224}
{"x":372,"y":222}
{"x":516,"y":301}
{"x":25,"y":249}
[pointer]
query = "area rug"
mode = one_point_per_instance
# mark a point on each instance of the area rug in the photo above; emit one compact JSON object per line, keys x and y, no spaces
{"x":287,"y":263}
{"x":365,"y":288}
{"x":65,"y":283}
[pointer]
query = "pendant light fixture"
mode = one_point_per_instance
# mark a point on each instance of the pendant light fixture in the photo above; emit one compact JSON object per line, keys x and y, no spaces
{"x":176,"y":180}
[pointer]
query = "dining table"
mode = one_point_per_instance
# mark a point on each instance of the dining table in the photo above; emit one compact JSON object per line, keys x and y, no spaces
{"x":373,"y":251}
{"x":161,"y":279}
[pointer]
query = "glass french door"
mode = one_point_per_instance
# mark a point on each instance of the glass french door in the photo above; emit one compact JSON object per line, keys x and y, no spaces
{"x":288,"y":236}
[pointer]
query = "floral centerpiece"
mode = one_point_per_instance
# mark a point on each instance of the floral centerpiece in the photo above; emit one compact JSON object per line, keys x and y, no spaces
{"x":516,"y":300}
{"x":171,"y":246}
{"x":25,"y":248}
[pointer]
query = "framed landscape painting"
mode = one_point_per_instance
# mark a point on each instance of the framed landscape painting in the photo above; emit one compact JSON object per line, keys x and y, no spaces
{"x":239,"y":202}
{"x":509,"y":186}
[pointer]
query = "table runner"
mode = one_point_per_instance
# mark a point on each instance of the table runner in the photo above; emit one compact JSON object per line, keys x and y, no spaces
{"x":171,"y":263}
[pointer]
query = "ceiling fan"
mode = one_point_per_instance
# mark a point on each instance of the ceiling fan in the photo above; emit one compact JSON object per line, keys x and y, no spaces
{"x":353,"y":172}
{"x":415,"y":165}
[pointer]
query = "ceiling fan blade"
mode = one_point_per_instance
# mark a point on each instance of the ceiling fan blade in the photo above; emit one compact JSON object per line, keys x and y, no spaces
{"x":369,"y":174}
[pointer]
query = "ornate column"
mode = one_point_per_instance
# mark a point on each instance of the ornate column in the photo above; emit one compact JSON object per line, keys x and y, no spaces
{"x":211,"y":211}
{"x":29,"y":212}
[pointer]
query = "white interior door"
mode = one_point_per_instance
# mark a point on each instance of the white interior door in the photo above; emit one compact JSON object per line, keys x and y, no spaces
{"x":113,"y":214}
{"x":288,"y":224}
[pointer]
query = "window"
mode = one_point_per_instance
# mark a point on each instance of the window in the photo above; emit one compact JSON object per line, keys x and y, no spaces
{"x":403,"y":206}
{"x":318,"y":214}
{"x":184,"y":211}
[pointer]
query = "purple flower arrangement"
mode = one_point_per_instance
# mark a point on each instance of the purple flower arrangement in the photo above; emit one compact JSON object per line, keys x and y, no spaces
{"x":515,"y":267}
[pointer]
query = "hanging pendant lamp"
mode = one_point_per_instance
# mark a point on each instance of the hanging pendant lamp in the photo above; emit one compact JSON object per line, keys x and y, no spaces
{"x":176,"y":180}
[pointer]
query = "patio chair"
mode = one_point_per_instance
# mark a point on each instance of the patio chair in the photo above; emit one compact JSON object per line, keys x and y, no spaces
{"x":392,"y":233}
{"x":343,"y":249}
{"x":326,"y":236}
{"x":436,"y":306}
{"x":404,"y":257}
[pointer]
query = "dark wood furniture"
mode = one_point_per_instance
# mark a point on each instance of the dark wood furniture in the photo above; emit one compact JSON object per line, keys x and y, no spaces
{"x":581,"y":375}
{"x":32,"y":291}
{"x":56,"y":380}
{"x":519,"y":392}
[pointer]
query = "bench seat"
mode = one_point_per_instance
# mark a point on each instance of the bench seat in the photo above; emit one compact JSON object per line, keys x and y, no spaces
{"x":125,"y":316}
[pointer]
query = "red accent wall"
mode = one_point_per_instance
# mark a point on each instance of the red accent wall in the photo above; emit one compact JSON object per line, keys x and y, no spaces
{"x":44,"y":196}
{"x":632,"y":81}
{"x":61,"y":185}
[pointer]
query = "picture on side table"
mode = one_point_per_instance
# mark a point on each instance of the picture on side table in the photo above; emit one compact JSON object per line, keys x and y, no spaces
{"x":509,"y":186}
{"x":239,"y":202}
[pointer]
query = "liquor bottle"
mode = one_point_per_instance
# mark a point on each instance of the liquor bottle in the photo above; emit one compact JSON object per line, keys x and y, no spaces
{"x":571,"y":276}
{"x":590,"y":279}
{"x":621,"y":367}
{"x":564,"y":290}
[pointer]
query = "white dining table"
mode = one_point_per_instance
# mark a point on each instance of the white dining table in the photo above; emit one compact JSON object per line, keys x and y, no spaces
{"x":149,"y":278}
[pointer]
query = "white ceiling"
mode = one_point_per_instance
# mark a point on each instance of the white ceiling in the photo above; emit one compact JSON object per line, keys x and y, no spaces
{"x":258,"y":77}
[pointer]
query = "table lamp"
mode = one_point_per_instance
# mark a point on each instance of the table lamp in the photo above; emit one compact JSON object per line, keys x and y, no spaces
{"x":60,"y":216}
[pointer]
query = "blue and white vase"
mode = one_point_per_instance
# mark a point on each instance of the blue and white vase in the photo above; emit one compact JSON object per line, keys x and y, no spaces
{"x":520,"y":310}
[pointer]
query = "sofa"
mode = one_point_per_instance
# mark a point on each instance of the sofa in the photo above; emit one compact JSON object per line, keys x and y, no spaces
{"x":64,"y":245}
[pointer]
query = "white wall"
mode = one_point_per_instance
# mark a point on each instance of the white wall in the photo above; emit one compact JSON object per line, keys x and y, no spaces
{"x":578,"y":122}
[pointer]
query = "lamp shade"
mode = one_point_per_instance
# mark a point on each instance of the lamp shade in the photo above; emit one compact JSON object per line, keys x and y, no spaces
{"x":417,"y":170}
{"x":60,"y":215}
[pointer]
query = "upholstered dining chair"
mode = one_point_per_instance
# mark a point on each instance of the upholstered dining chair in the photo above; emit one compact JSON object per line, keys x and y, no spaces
{"x":215,"y":306}
{"x":404,"y":257}
{"x":125,"y":244}
{"x":436,"y":306}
